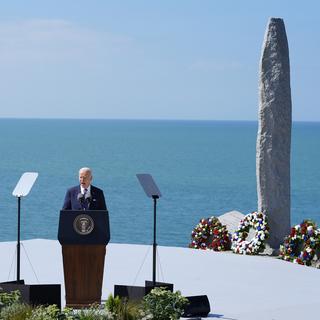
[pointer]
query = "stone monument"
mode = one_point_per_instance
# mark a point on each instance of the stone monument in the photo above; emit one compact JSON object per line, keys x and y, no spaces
{"x":274,"y":133}
{"x":231,"y":220}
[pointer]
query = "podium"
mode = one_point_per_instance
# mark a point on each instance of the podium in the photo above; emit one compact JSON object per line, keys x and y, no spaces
{"x":83,"y":236}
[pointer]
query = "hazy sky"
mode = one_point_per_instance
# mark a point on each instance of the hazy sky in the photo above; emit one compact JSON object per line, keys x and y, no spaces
{"x":159,"y":59}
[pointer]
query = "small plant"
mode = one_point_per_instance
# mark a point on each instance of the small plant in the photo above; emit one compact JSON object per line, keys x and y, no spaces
{"x":163,"y":304}
{"x":113,"y":304}
{"x":67,"y":314}
{"x":16,"y":311}
{"x":51,"y":312}
{"x":7,"y":299}
{"x":122,"y":309}
{"x":92,"y":313}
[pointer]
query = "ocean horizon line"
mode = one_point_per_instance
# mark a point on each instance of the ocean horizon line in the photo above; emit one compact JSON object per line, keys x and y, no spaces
{"x":147,"y":120}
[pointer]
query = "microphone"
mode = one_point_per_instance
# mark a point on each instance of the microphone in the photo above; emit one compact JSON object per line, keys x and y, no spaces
{"x":88,"y":198}
{"x":80,"y":197}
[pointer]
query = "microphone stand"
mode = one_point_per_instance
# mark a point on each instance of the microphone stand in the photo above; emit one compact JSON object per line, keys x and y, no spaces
{"x":87,"y":198}
{"x":80,"y":198}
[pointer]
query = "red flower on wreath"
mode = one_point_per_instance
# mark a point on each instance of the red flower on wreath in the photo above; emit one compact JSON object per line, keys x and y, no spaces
{"x":210,"y":234}
{"x":302,"y":243}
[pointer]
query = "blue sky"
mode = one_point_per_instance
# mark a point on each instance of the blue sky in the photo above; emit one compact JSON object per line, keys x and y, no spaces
{"x":150,"y":59}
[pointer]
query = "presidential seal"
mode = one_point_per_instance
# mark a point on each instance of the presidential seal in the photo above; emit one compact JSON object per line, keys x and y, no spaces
{"x":83,"y":224}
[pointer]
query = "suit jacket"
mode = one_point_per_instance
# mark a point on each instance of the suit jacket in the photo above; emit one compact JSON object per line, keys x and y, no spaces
{"x":71,"y":201}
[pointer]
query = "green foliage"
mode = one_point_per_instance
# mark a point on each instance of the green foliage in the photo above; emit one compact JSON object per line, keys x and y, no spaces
{"x":51,"y":312}
{"x":163,"y":304}
{"x":113,"y":304}
{"x":21,"y":311}
{"x":7,"y":299}
{"x":16,"y":311}
{"x":122,"y":309}
{"x":67,"y":314}
{"x":159,"y":304}
{"x":93,"y":313}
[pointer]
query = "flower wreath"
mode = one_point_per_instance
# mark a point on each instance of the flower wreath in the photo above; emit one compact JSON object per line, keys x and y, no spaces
{"x":210,"y":234}
{"x":258,"y":221}
{"x":302,"y":243}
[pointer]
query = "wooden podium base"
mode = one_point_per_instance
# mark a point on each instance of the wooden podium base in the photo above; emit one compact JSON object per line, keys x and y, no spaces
{"x":83,"y":274}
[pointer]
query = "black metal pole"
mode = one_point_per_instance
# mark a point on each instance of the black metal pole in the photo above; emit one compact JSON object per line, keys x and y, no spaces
{"x":18,"y":242}
{"x":154,"y":239}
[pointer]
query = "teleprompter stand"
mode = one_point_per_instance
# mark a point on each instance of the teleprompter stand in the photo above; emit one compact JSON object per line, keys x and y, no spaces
{"x":136,"y":292}
{"x":35,"y":293}
{"x":198,"y":305}
{"x":83,"y":236}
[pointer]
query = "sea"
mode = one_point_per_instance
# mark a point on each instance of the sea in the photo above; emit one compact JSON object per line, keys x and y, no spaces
{"x":202,"y":168}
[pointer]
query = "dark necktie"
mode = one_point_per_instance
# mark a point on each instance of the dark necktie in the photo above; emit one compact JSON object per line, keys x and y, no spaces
{"x":85,"y":203}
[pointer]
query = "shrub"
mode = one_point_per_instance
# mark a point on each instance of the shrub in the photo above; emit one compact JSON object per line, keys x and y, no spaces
{"x":51,"y":312}
{"x":164,"y":305}
{"x":16,"y":311}
{"x":113,"y":304}
{"x":7,"y":299}
{"x":122,"y":309}
{"x":93,"y":313}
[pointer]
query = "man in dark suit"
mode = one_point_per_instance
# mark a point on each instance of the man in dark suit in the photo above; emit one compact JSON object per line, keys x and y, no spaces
{"x":84,"y":196}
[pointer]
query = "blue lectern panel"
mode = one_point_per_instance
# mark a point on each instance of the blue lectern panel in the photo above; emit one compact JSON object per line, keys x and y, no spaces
{"x":93,"y":230}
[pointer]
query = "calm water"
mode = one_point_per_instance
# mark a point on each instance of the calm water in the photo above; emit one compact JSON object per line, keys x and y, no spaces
{"x":202,"y":168}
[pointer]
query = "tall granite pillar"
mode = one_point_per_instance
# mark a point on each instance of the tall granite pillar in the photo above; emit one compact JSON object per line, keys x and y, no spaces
{"x":274,"y":134}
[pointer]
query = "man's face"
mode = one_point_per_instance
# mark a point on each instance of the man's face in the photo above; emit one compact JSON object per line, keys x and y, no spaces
{"x":85,"y":178}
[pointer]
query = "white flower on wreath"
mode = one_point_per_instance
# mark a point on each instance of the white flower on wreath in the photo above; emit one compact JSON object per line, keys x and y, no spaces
{"x":256,"y":244}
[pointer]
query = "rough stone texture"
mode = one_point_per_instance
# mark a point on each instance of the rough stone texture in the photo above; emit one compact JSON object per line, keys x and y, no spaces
{"x":231,"y":220}
{"x":274,"y":134}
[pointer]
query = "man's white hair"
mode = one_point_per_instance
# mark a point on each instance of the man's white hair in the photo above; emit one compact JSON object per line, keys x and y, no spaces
{"x":86,"y":169}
